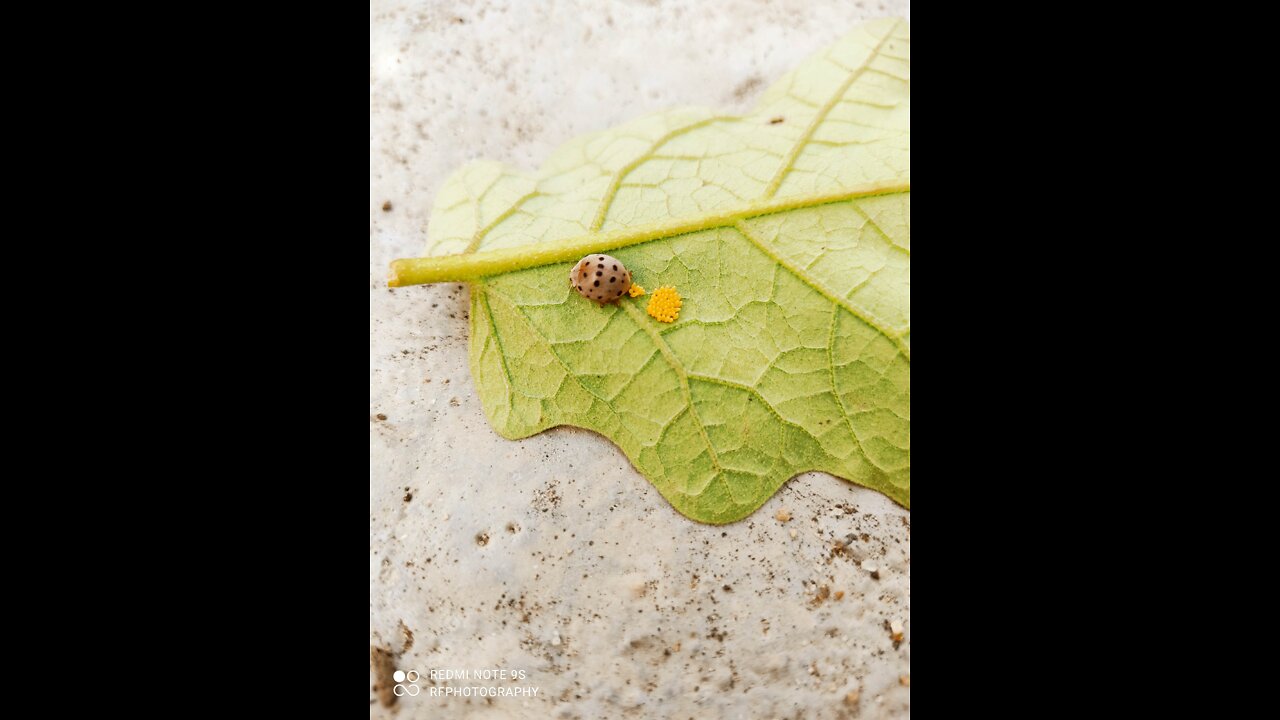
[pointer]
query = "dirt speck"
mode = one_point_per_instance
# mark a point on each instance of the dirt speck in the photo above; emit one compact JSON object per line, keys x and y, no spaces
{"x":380,"y":417}
{"x":775,"y":121}
{"x":895,"y":631}
{"x":408,"y":637}
{"x":746,"y":87}
{"x":408,"y":497}
{"x":383,"y":662}
{"x":482,"y":539}
{"x":386,"y":206}
{"x":546,"y":498}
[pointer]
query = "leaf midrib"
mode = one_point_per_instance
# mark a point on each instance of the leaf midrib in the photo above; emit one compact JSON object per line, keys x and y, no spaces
{"x":473,"y":266}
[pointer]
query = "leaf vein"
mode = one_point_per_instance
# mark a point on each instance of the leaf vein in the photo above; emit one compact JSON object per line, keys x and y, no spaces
{"x":818,"y":118}
{"x":808,"y":280}
{"x":606,"y":200}
{"x":678,"y":367}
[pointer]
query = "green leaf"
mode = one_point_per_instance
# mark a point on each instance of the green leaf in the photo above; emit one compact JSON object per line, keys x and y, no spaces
{"x":786,"y":231}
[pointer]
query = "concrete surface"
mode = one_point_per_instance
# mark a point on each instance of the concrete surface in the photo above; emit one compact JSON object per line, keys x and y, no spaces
{"x":552,"y":556}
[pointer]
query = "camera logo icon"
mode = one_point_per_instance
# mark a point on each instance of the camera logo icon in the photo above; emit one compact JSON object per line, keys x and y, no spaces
{"x":406,"y":689}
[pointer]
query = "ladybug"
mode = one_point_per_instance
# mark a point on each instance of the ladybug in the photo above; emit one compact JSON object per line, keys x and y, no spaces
{"x":600,"y":278}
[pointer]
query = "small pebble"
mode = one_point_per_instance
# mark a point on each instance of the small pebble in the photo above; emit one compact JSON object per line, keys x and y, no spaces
{"x":905,"y":681}
{"x":852,"y":698}
{"x":895,"y":630}
{"x":793,"y":534}
{"x":783,"y":515}
{"x":386,"y":206}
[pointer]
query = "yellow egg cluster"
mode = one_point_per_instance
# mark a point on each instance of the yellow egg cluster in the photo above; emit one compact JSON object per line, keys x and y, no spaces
{"x":665,"y":304}
{"x":635,"y":291}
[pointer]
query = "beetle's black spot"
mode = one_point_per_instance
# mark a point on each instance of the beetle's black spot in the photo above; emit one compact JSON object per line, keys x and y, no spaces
{"x":599,"y":273}
{"x":612,"y":279}
{"x":597,"y":283}
{"x":601,"y":258}
{"x":601,"y":266}
{"x":615,"y":268}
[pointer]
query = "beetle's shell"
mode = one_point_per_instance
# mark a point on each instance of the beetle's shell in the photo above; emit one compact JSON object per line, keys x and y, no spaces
{"x":600,"y":278}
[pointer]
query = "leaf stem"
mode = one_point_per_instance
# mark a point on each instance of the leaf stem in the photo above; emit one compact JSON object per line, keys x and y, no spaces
{"x":473,"y":266}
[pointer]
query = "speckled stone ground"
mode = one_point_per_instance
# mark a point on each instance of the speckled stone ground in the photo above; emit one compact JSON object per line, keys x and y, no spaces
{"x":551,"y":555}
